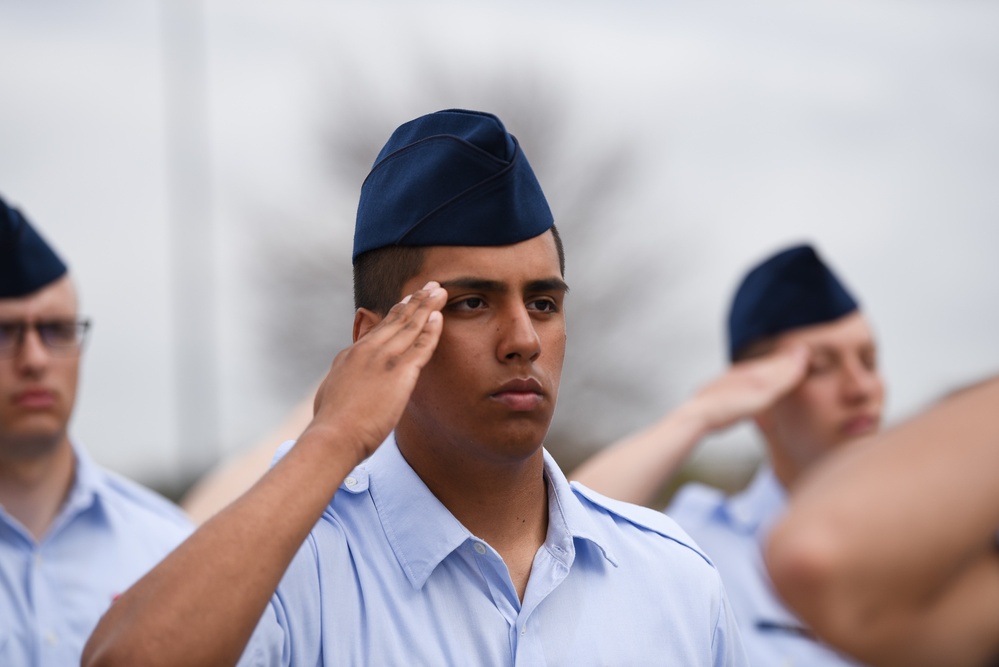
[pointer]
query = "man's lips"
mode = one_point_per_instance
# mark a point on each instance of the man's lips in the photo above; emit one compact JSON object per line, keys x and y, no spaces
{"x":520,"y":395}
{"x":860,"y":425}
{"x":34,"y":399}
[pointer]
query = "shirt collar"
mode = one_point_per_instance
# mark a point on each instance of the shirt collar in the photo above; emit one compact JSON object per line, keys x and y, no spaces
{"x":763,"y":499}
{"x":85,"y":491}
{"x":406,"y":507}
{"x":570,"y":521}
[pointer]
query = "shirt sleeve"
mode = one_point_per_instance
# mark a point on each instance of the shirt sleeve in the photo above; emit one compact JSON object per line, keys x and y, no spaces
{"x":266,"y":646}
{"x":290,"y":631}
{"x":726,"y":643}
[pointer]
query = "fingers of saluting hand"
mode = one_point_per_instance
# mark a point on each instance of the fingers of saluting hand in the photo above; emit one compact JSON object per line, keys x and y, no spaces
{"x":369,"y":383}
{"x":754,"y":385}
{"x":411,"y":329}
{"x":788,"y":365}
{"x":398,"y":346}
{"x":777,"y":373}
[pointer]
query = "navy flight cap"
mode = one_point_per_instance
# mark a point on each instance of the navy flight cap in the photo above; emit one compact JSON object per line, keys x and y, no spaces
{"x":453,"y":177}
{"x":27,"y":263}
{"x":793,"y":288}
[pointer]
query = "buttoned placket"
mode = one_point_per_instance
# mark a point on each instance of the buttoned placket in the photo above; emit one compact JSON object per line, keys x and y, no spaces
{"x":41,"y":593}
{"x":549,"y":569}
{"x":497,"y":578}
{"x":42,"y":604}
{"x":33,"y":562}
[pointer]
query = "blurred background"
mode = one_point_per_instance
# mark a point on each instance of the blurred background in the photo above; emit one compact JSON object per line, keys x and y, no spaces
{"x":198,"y":165}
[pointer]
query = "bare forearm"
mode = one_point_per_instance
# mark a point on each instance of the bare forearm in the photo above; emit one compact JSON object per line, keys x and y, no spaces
{"x":895,"y":538}
{"x":201,"y":604}
{"x":637,"y":468}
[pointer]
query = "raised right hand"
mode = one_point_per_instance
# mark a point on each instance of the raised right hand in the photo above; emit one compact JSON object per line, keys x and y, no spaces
{"x":369,"y":383}
{"x":751,"y":386}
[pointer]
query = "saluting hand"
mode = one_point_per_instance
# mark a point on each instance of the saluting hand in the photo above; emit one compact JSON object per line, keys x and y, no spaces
{"x":751,"y":386}
{"x":368,"y":385}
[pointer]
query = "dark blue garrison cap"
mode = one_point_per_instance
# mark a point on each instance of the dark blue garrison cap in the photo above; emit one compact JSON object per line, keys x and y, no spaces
{"x":791,"y":289}
{"x":27,"y":263}
{"x":453,"y":177}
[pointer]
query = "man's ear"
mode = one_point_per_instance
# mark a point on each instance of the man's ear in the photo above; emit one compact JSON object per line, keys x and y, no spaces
{"x":364,"y":321}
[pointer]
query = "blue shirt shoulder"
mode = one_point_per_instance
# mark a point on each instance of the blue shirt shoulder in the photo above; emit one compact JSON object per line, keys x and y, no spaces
{"x":134,"y":497}
{"x":695,"y":501}
{"x":732,"y":530}
{"x":641,"y":517}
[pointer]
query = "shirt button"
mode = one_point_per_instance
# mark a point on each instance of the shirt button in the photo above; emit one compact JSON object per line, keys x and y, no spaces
{"x":50,"y":638}
{"x":350,"y":482}
{"x":480,"y":548}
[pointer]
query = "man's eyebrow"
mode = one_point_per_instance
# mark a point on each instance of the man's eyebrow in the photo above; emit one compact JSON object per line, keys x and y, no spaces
{"x":478,"y":284}
{"x":485,"y":285}
{"x":836,"y":350}
{"x":548,"y":285}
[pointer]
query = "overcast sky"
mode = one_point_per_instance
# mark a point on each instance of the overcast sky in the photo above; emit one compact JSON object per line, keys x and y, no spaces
{"x":865,"y":127}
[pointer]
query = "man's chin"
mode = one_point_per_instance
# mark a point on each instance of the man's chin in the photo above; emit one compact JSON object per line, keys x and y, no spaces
{"x":521,"y":441}
{"x":32,"y":443}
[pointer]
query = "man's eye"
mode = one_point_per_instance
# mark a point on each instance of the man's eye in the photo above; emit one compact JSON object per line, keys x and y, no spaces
{"x":870,"y":362}
{"x":58,"y":332}
{"x":468,"y":303}
{"x":544,"y":306}
{"x":9,"y":332}
{"x":820,"y":366}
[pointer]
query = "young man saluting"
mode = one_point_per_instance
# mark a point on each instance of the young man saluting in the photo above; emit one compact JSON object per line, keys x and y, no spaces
{"x":451,"y":537}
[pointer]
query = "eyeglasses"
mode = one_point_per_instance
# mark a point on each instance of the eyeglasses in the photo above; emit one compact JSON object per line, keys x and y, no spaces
{"x":58,"y":336}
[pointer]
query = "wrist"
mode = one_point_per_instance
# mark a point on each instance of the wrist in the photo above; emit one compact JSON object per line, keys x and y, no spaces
{"x":335,"y":445}
{"x":695,"y":416}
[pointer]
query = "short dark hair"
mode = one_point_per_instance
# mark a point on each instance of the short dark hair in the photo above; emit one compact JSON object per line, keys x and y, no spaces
{"x":379,"y":274}
{"x":757,"y":348}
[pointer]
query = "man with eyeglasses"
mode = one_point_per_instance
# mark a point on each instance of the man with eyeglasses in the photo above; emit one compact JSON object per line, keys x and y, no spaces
{"x":72,"y":535}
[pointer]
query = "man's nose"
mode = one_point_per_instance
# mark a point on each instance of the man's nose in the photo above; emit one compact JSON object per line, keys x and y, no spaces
{"x":31,"y":353}
{"x":518,"y":337}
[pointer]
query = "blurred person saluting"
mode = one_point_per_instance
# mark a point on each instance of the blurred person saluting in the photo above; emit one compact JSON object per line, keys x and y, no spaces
{"x":804,"y":369}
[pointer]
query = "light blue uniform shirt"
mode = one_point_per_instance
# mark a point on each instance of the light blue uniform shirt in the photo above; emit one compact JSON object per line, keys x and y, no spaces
{"x":108,"y":534}
{"x":732,"y":531}
{"x":389,"y":577}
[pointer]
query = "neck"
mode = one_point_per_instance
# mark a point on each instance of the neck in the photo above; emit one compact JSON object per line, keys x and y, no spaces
{"x":504,"y":503}
{"x":33,"y":489}
{"x":489,"y":499}
{"x":785,"y":470}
